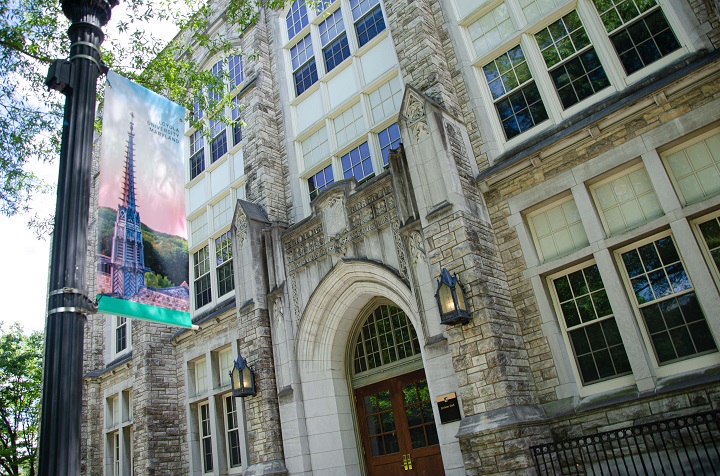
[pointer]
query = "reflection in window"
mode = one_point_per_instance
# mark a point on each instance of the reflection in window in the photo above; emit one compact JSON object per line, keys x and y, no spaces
{"x":380,"y":422}
{"x":573,"y":65}
{"x":303,"y":63}
{"x":418,"y":409}
{"x":368,"y":19}
{"x":334,"y":40}
{"x":516,"y":96}
{"x":638,"y":30}
{"x":320,"y":181}
{"x":386,"y":337}
{"x":296,"y":18}
{"x":710,"y":231}
{"x":223,"y":259}
{"x":197,"y":155}
{"x":389,"y":138}
{"x":357,"y":163}
{"x":201,"y":268}
{"x":590,"y":325}
{"x":673,"y":319}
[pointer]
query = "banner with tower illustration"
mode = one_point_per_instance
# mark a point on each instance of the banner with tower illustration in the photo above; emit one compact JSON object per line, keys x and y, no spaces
{"x":142,"y":266}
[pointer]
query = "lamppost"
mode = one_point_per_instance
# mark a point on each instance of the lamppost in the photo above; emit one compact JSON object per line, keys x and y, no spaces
{"x":76,"y":77}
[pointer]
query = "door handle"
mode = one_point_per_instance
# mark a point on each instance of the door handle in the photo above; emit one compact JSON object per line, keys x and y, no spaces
{"x":407,"y":462}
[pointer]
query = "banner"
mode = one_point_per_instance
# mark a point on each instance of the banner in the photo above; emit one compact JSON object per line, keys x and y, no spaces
{"x":142,"y":268}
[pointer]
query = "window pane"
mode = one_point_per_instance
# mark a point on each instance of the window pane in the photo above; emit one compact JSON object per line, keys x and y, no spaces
{"x":590,"y":325}
{"x":370,"y":25}
{"x":696,"y":169}
{"x":672,"y":315}
{"x":558,"y":230}
{"x":627,"y":201}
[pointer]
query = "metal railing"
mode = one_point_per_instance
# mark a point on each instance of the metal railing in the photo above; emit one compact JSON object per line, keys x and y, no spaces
{"x":688,"y":445}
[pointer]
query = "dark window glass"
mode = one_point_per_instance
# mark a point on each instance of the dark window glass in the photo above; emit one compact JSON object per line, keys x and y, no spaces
{"x":305,"y":77}
{"x":673,"y":318}
{"x":336,"y":52}
{"x":370,"y":25}
{"x":590,"y":325}
{"x":320,"y":181}
{"x":389,"y":139}
{"x":296,"y":18}
{"x":357,"y":163}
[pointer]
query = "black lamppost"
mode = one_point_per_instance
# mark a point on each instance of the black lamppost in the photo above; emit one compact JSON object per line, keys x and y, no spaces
{"x":76,"y":77}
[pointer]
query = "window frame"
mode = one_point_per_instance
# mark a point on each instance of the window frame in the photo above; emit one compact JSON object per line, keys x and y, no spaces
{"x":203,"y":423}
{"x":664,"y":156}
{"x":555,"y":202}
{"x":680,"y":364}
{"x":524,"y":36}
{"x":596,"y":386}
{"x":611,"y":176}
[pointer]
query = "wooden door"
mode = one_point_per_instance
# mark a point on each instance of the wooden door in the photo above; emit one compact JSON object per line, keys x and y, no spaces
{"x":398,"y":429}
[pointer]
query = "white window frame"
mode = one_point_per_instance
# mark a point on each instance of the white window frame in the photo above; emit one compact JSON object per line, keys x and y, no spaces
{"x":205,"y":436}
{"x":524,"y":36}
{"x":534,"y":233}
{"x":703,"y":244}
{"x":125,"y":324}
{"x":118,"y":434}
{"x":614,"y":175}
{"x":684,"y":145}
{"x":604,"y":385}
{"x":686,"y":363}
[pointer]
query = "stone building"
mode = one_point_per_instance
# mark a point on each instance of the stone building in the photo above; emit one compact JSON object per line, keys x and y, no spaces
{"x":560,"y":157}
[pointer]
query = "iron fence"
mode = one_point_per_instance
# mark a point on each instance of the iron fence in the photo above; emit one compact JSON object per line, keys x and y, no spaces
{"x":688,"y":445}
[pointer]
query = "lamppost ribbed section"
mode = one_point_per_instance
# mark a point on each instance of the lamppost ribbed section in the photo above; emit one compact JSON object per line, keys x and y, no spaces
{"x":61,"y":411}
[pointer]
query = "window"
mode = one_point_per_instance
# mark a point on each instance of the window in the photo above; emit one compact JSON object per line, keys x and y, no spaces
{"x":201,"y":385}
{"x":334,"y":40}
{"x":357,"y":163}
{"x":368,"y":19}
{"x":232,"y":432}
{"x":303,"y":63}
{"x":205,"y":437}
{"x":198,"y":228}
{"x":491,"y":29}
{"x":201,"y":260}
{"x":572,"y":62}
{"x":386,"y":337}
{"x":197,"y":154}
{"x":695,"y":168}
{"x":235,"y":67}
{"x":320,"y":181}
{"x":296,"y":18}
{"x":217,"y":426}
{"x":557,"y":229}
{"x":225,"y":364}
{"x":556,"y":64}
{"x":121,"y":334}
{"x":119,"y":434}
{"x":218,"y":141}
{"x":514,"y":92}
{"x":589,"y":325}
{"x":389,"y":138}
{"x":349,"y":124}
{"x":627,"y":200}
{"x":223,"y":258}
{"x":222,"y":212}
{"x":385,"y":100}
{"x":215,"y":91}
{"x":235,"y":115}
{"x":638,"y":30}
{"x":315,"y":148}
{"x":666,"y":301}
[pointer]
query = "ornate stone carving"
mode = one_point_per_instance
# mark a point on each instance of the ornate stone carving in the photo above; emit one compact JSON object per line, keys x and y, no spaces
{"x":334,"y":217}
{"x":416,"y":247}
{"x":420,"y":131}
{"x":415,"y":109}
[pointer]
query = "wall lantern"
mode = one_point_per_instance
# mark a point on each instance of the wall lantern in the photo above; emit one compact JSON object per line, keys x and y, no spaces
{"x":451,"y":300}
{"x":242,"y":378}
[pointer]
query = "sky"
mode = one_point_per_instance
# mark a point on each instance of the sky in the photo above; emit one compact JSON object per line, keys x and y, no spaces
{"x":26,"y":259}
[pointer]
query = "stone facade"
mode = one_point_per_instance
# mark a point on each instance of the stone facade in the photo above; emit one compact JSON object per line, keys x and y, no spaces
{"x":318,"y":249}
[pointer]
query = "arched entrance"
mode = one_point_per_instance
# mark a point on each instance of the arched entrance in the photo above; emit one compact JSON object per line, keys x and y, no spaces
{"x":394,"y":409}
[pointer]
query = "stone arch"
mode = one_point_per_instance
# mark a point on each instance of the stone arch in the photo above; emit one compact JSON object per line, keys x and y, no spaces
{"x":321,"y":349}
{"x":335,"y":305}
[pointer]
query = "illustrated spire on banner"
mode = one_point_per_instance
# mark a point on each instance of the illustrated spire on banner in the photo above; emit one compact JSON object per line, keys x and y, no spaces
{"x":153,"y":165}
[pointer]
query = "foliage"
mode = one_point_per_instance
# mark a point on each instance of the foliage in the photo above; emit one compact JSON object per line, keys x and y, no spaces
{"x":166,"y":255}
{"x":20,"y":389}
{"x":153,"y":280}
{"x":32,"y":34}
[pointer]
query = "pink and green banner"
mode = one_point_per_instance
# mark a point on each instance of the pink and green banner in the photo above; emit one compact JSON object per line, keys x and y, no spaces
{"x":142,"y":265}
